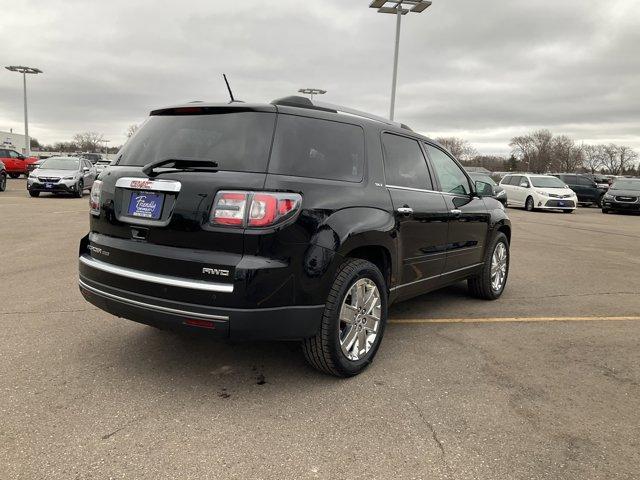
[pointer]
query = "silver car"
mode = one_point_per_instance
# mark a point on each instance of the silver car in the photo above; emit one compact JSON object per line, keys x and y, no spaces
{"x":71,"y":175}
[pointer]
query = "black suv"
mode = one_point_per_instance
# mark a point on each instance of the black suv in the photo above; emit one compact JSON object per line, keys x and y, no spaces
{"x":585,"y":187}
{"x":289,"y":220}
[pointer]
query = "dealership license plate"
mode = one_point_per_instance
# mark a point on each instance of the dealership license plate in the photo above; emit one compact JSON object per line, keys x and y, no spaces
{"x":48,"y":185}
{"x":561,"y":204}
{"x":146,"y":205}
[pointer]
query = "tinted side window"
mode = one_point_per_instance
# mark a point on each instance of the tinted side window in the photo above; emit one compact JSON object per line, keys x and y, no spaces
{"x":3,"y":153}
{"x":309,"y":147}
{"x":585,"y":181}
{"x":515,"y":180}
{"x":404,"y":163}
{"x":570,"y":179}
{"x":452,"y":178}
{"x":13,"y":154}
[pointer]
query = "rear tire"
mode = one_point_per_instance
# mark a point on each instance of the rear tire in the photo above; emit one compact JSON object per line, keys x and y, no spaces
{"x":34,"y":194}
{"x":529,"y":205}
{"x":3,"y":182}
{"x":567,"y":211}
{"x":14,"y":175}
{"x":605,"y":211}
{"x":327,"y":351}
{"x":485,"y":285}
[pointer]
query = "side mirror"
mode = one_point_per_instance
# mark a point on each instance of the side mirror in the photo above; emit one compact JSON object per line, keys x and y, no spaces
{"x":524,"y":184}
{"x":21,"y":157}
{"x":484,"y":189}
{"x":85,"y":169}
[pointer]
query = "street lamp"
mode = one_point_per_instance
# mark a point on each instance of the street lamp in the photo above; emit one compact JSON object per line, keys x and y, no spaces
{"x":312,"y":91}
{"x":395,"y":7}
{"x":106,"y":148}
{"x":24,"y":71}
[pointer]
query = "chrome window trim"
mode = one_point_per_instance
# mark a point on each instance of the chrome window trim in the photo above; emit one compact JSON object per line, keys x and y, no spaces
{"x":155,"y":278}
{"x":398,"y":187}
{"x":148,"y":306}
{"x":435,"y":276}
{"x":151,"y":185}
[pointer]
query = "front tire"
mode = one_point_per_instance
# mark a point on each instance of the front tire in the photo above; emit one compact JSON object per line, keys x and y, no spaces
{"x":492,"y":280}
{"x":80,"y":188}
{"x":14,"y":175}
{"x":353,"y":321}
{"x":567,"y":211}
{"x":3,"y":182}
{"x":34,"y":193}
{"x":529,"y":205}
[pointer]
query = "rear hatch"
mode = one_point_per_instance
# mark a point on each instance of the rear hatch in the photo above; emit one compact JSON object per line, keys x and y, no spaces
{"x":159,"y":221}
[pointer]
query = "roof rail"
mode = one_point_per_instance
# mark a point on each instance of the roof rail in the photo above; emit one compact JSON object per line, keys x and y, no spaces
{"x":304,"y":102}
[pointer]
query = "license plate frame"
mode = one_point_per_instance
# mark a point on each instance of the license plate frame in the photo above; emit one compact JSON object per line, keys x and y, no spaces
{"x":145,"y":204}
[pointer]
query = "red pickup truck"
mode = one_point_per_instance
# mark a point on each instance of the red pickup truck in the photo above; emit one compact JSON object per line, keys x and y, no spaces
{"x":15,"y":163}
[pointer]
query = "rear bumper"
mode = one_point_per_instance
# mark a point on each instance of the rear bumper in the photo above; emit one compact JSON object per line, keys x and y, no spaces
{"x":278,"y":323}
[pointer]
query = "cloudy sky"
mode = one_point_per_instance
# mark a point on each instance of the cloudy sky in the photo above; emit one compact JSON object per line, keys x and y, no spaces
{"x":483,"y":70}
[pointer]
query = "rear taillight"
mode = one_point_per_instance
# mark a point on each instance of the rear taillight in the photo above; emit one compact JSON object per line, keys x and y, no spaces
{"x":253,"y":209}
{"x":94,"y":199}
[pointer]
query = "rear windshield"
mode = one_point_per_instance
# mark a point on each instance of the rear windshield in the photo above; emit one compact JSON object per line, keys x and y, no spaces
{"x":310,"y":147}
{"x":237,"y":141}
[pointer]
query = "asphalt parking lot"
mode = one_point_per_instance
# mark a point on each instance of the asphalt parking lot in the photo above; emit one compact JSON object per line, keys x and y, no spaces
{"x":543,"y":383}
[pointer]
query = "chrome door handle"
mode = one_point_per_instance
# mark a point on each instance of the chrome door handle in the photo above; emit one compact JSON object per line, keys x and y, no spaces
{"x":405,"y":210}
{"x":456,"y":212}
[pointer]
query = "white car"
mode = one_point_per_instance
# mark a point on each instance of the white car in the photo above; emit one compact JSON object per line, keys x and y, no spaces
{"x":543,"y":192}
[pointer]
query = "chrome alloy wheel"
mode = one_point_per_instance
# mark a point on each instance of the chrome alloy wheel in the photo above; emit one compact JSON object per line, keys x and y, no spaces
{"x":359,"y":319}
{"x":499,"y":266}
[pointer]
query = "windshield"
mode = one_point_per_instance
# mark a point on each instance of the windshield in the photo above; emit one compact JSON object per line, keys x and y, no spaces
{"x":547,"y":182}
{"x":626,"y":184}
{"x":61,"y":164}
{"x":237,"y":141}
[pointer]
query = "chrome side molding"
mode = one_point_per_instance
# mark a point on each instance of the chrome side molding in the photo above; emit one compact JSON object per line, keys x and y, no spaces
{"x":155,"y":277}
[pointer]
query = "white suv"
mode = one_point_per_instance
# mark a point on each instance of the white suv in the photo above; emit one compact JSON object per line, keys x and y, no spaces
{"x":539,"y":192}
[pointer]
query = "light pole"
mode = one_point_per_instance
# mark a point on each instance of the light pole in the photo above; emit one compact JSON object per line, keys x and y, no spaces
{"x":24,"y":71}
{"x":312,"y":91}
{"x":395,"y":7}
{"x":106,"y":148}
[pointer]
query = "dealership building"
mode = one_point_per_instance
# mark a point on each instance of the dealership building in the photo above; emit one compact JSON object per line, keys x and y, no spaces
{"x":12,"y":140}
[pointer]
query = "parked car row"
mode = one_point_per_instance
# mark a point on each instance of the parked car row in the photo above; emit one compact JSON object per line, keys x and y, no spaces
{"x":566,"y":191}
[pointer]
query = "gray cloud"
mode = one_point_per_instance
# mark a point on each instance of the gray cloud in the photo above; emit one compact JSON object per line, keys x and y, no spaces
{"x":483,"y":70}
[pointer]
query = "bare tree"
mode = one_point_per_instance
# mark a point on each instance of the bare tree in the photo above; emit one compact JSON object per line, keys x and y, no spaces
{"x":131,"y":129}
{"x":534,"y":150}
{"x":88,"y":141}
{"x":628,"y":157}
{"x":566,"y":156}
{"x":592,"y":156}
{"x":459,"y":147}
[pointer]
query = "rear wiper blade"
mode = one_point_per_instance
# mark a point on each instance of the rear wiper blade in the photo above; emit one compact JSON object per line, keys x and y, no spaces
{"x":181,"y":164}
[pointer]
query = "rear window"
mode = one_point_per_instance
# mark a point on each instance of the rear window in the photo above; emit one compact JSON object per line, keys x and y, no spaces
{"x":238,"y":141}
{"x":309,"y":147}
